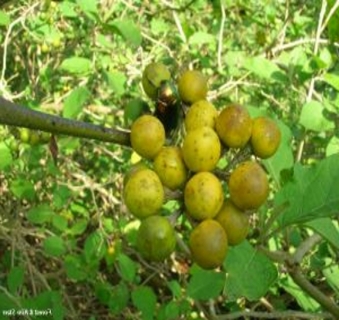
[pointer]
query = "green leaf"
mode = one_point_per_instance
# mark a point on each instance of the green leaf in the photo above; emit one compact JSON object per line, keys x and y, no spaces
{"x":332,"y":80}
{"x":76,"y":65}
{"x":331,"y":274}
{"x":201,"y":38}
{"x":95,"y":247}
{"x":54,"y":246}
{"x":88,"y":6}
{"x":127,"y":268}
{"x":312,"y":117}
{"x":74,"y":267}
{"x":6,"y":306}
{"x":119,"y":298}
{"x":175,"y":288}
{"x":67,"y":9}
{"x":332,"y":146}
{"x":48,"y":305}
{"x":75,"y":102}
{"x":59,"y":222}
{"x":40,"y":214}
{"x":23,"y":189}
{"x":103,"y":291}
{"x":79,"y":227}
{"x":326,"y":228}
{"x":205,"y":285}
{"x":4,"y":19}
{"x":128,"y":30}
{"x":311,"y":194}
{"x":283,"y":158}
{"x":117,"y":81}
{"x":250,"y":273}
{"x":5,"y":156}
{"x":169,"y":311}
{"x":15,"y":278}
{"x":333,"y":24}
{"x":134,"y":109}
{"x":145,"y":300}
{"x":158,"y":26}
{"x":264,"y":69}
{"x":303,"y":299}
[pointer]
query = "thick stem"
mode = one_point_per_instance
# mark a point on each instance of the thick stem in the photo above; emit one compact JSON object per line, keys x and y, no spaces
{"x":19,"y":116}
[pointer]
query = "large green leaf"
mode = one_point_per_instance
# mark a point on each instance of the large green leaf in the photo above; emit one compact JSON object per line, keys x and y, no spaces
{"x":312,"y":193}
{"x":75,"y":102}
{"x":204,"y":285}
{"x":250,"y":273}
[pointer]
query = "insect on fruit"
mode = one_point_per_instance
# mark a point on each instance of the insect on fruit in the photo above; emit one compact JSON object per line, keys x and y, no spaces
{"x":168,"y":107}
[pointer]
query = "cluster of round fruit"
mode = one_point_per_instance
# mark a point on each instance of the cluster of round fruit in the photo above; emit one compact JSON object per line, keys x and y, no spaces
{"x":217,"y":221}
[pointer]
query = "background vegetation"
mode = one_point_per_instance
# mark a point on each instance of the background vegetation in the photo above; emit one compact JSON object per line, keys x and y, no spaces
{"x":66,"y":238}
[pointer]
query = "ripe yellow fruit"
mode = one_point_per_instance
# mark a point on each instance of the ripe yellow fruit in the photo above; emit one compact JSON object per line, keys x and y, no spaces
{"x":203,"y":196}
{"x":201,"y":114}
{"x":248,"y":186}
{"x":152,"y":77}
{"x":144,"y":193}
{"x":234,"y":221}
{"x":265,"y":138}
{"x":155,"y":238}
{"x":147,"y":136}
{"x":170,"y":167}
{"x":192,"y":86}
{"x":201,"y":149}
{"x":234,"y":126}
{"x":208,"y":244}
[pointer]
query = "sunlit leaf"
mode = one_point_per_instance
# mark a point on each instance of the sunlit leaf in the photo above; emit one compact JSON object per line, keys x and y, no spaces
{"x":75,"y":102}
{"x":128,"y":30}
{"x":4,"y":18}
{"x":76,"y":65}
{"x":312,"y":117}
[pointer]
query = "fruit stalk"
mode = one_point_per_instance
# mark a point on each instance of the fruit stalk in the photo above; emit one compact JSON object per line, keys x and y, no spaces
{"x":19,"y":116}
